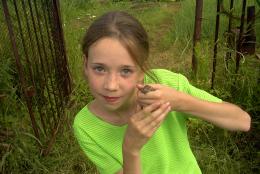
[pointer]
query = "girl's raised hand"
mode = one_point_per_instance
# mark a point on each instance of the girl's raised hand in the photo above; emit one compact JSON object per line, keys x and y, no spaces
{"x":159,"y":93}
{"x":143,"y":124}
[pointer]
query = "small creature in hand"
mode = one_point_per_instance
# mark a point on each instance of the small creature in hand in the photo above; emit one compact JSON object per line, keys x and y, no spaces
{"x":146,"y":89}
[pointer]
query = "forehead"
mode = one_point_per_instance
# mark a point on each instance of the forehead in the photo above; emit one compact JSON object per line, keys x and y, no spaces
{"x":110,"y":51}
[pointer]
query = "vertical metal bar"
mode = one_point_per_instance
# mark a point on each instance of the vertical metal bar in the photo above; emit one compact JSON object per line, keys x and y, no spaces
{"x":19,"y":67}
{"x":23,"y":43}
{"x":54,"y":43}
{"x":229,"y":36}
{"x":63,"y":76}
{"x":215,"y":45}
{"x":241,"y":36}
{"x":32,"y":46}
{"x":30,"y":91}
{"x":197,"y":32}
{"x":44,"y":8}
{"x":40,"y":53}
{"x":60,"y":53}
{"x":40,"y":56}
{"x":56,"y":90}
{"x":55,"y":55}
{"x":66,"y":80}
{"x":45,"y":58}
{"x":52,"y":31}
{"x":250,"y":37}
{"x":230,"y":16}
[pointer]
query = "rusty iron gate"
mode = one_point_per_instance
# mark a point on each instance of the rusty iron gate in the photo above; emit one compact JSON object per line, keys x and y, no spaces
{"x":36,"y":35}
{"x":242,"y":38}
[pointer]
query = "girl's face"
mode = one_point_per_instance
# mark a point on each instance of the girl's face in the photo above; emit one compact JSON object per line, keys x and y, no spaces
{"x":112,"y":75}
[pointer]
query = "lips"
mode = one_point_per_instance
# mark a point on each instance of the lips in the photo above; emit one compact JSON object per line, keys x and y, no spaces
{"x":111,"y":99}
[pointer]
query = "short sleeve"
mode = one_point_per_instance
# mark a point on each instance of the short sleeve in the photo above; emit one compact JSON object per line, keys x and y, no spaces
{"x":186,"y":87}
{"x":181,"y":83}
{"x":105,"y":163}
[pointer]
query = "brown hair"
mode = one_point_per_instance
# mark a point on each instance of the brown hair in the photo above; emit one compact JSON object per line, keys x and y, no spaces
{"x":127,"y":29}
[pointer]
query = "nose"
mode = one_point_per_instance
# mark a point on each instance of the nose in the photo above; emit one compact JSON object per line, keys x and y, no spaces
{"x":111,"y":82}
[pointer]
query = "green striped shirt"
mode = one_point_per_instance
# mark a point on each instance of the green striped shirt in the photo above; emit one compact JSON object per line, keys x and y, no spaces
{"x":167,"y":152}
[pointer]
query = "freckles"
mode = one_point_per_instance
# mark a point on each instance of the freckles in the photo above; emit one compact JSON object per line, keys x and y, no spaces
{"x":130,"y":85}
{"x":93,"y":81}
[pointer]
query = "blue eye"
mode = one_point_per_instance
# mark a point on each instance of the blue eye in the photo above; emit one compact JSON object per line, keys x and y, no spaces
{"x":99,"y":69}
{"x":126,"y":72}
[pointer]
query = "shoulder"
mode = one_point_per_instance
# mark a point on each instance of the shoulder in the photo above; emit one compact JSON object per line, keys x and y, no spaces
{"x":80,"y":118}
{"x":163,"y":72}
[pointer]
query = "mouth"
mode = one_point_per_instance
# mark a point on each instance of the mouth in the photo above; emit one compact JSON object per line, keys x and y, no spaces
{"x":111,"y":99}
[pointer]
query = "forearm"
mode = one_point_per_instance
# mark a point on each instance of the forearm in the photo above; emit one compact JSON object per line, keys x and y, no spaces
{"x":131,"y":162}
{"x":141,"y":127}
{"x":223,"y":114}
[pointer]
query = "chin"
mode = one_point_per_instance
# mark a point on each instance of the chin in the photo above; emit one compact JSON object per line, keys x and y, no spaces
{"x":116,"y":106}
{"x":111,"y":108}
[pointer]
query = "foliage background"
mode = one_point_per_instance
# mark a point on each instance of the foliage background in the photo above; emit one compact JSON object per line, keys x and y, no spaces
{"x":170,"y":27}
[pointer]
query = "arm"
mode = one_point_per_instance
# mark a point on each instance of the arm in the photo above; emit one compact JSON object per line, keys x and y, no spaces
{"x":131,"y":161}
{"x":224,"y":115}
{"x":141,"y":127}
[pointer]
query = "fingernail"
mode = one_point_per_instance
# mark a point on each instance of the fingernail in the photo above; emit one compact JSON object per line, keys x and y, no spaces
{"x":139,"y":85}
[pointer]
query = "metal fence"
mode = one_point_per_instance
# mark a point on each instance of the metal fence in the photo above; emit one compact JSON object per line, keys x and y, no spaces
{"x":36,"y":35}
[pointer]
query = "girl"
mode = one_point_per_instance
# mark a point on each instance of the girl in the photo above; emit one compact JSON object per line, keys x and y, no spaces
{"x":125,"y":130}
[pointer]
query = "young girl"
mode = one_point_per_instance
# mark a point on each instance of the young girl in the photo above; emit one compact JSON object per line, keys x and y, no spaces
{"x":126,"y":129}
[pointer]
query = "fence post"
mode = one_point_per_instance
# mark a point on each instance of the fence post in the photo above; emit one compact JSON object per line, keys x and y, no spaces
{"x":240,"y":38}
{"x":215,"y":45}
{"x":197,"y":32}
{"x":20,"y":68}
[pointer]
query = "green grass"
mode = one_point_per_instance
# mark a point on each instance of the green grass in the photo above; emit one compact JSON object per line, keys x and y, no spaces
{"x":170,"y":27}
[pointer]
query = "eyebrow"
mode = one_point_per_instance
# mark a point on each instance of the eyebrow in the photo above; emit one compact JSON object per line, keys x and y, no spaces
{"x":128,"y":66}
{"x":98,"y":64}
{"x":123,"y":66}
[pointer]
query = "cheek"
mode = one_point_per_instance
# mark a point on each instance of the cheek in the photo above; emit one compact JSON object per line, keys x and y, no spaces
{"x":93,"y":82}
{"x":130,"y":84}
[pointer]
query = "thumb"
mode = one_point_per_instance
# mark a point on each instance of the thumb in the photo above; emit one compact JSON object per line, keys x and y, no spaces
{"x":139,"y":86}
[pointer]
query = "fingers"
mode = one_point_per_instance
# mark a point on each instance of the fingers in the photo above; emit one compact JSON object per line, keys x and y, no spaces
{"x":145,"y":103}
{"x":151,"y":112}
{"x":139,"y":86}
{"x":143,"y":124}
{"x":157,"y":115}
{"x":146,"y":95}
{"x":148,"y":99}
{"x":146,"y":111}
{"x":152,"y":107}
{"x":152,"y":122}
{"x":155,"y":123}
